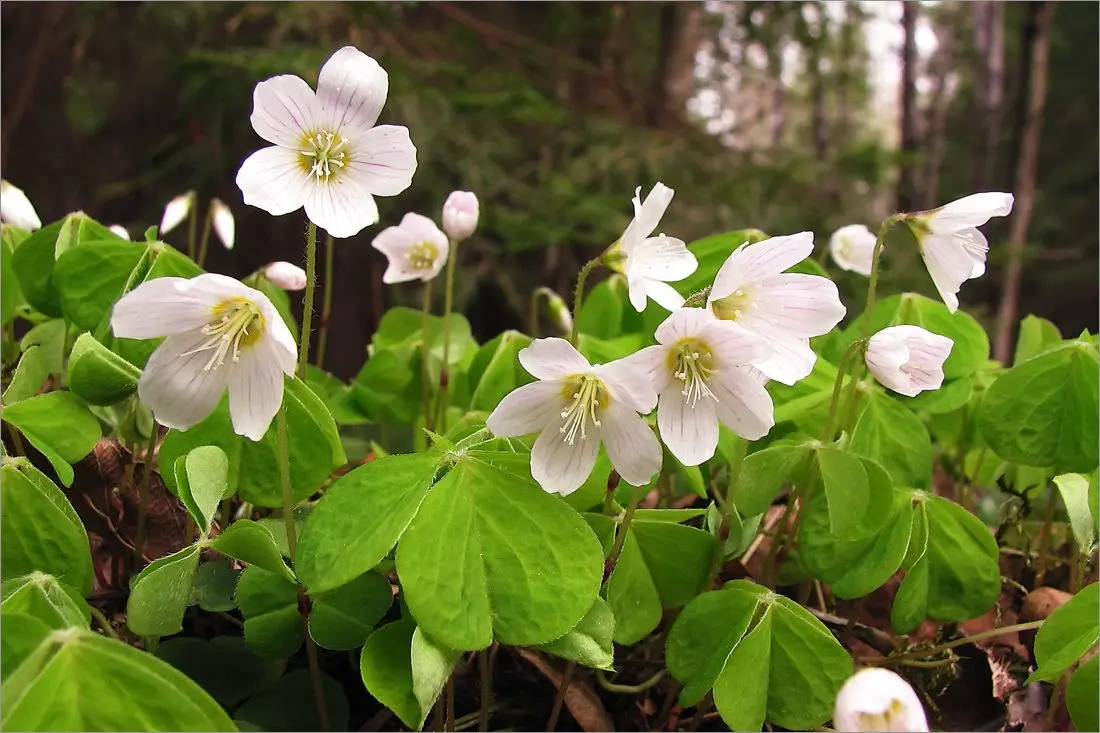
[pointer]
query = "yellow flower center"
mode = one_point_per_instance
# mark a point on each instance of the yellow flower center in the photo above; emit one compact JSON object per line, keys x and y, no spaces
{"x":733,"y":306}
{"x":422,"y":256}
{"x":237,"y":323}
{"x":891,"y":719}
{"x":323,"y":154}
{"x":585,"y":394}
{"x":692,"y":362}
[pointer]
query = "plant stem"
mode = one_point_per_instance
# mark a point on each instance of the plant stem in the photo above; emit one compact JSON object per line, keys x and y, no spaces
{"x":192,"y":227}
{"x":450,"y":718}
{"x":448,"y":303}
{"x":284,"y":482}
{"x":1055,"y":700}
{"x":723,"y":501}
{"x":143,"y":497}
{"x":315,"y":680}
{"x":208,"y":222}
{"x":610,"y":686}
{"x":103,"y":622}
{"x":973,"y":638}
{"x":830,"y":425}
{"x":872,"y":284}
{"x":425,"y":370}
{"x":486,"y":666}
{"x":326,"y":306}
{"x":559,"y":699}
{"x":533,"y":324}
{"x":624,"y":527}
{"x":578,"y":295}
{"x":1044,"y":539}
{"x":16,"y":441}
{"x":307,"y":299}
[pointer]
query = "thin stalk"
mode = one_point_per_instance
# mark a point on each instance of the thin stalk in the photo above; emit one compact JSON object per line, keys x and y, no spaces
{"x":16,"y":440}
{"x":778,"y":539}
{"x":1055,"y":700}
{"x":578,"y":295}
{"x":307,"y":299}
{"x":722,"y":499}
{"x":485,"y":664}
{"x":143,"y":497}
{"x":533,"y":324}
{"x":192,"y":227}
{"x":425,"y":370}
{"x":838,"y":386}
{"x":326,"y":304}
{"x":701,"y":710}
{"x":205,"y":241}
{"x":973,"y":638}
{"x":1044,"y":539}
{"x":610,"y":686}
{"x":872,"y":284}
{"x":316,"y":682}
{"x":284,"y":482}
{"x":624,"y":527}
{"x":449,"y":724}
{"x":103,"y":622}
{"x":559,"y":699}
{"x":448,"y":304}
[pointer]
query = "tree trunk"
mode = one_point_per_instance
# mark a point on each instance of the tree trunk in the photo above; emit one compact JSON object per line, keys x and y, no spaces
{"x":989,"y":89}
{"x":681,"y":30}
{"x":906,"y":193}
{"x":778,"y":97}
{"x":1042,"y":14}
{"x":938,"y":106}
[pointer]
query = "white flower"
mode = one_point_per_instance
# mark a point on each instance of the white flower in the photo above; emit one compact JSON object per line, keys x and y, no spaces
{"x":460,"y":214}
{"x":953,"y":249}
{"x":702,"y":374}
{"x":575,"y":406}
{"x":876,"y":699}
{"x":120,"y":231}
{"x":787,"y":309}
{"x":221,"y":334}
{"x":175,"y":212}
{"x":416,"y":249}
{"x":16,"y":209}
{"x":908,"y":359}
{"x":853,"y":248}
{"x":224,"y":225}
{"x":328,"y":155}
{"x":651,"y":263}
{"x":285,"y":275}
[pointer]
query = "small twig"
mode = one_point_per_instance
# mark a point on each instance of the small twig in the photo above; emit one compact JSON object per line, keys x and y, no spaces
{"x":601,"y":678}
{"x":555,"y":712}
{"x":972,"y":639}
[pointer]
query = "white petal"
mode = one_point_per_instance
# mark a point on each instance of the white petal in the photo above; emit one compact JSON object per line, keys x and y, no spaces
{"x":628,"y":385}
{"x":284,"y":110}
{"x":272,"y":179}
{"x":383,"y":160}
{"x":395,"y":243}
{"x":278,"y":340}
{"x":683,"y":323}
{"x":224,"y":225}
{"x":744,"y":406}
{"x":949,"y":264}
{"x":875,"y":691}
{"x":342,"y":206}
{"x":16,"y":209}
{"x":159,"y":307}
{"x":662,"y":258}
{"x":733,"y":345}
{"x":886,"y":354}
{"x":969,"y":211}
{"x":177,"y":388}
{"x":647,"y":214}
{"x":351,"y":89}
{"x":528,"y":409}
{"x":792,"y":358}
{"x":119,"y":231}
{"x":801,"y":305}
{"x":286,"y":275}
{"x":561,"y":468}
{"x":664,"y":295}
{"x":424,"y":229}
{"x":689,"y":431}
{"x":634,"y":450}
{"x":653,"y":363}
{"x":553,"y":358}
{"x":759,"y":261}
{"x":853,"y":248}
{"x":460,"y":215}
{"x":255,"y":388}
{"x":975,"y":245}
{"x":638,"y":290}
{"x":175,"y":212}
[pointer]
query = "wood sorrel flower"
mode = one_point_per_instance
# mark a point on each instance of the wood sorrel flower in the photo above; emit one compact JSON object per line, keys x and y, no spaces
{"x":701,"y":371}
{"x":16,"y":209}
{"x":175,"y":211}
{"x":221,"y":334}
{"x":953,"y":249}
{"x":119,"y":231}
{"x":785,"y":308}
{"x":908,"y":359}
{"x":415,"y":248}
{"x":853,"y":248}
{"x":328,"y":155}
{"x":224,"y":225}
{"x":460,"y":214}
{"x":876,"y":699}
{"x":285,"y":275}
{"x":651,"y":263}
{"x":575,"y":406}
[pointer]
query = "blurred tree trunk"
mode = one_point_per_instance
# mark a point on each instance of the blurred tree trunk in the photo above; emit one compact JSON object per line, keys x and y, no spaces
{"x":989,"y":89}
{"x":681,"y":32}
{"x":778,"y":96}
{"x":842,"y":125}
{"x":907,"y":190}
{"x":938,"y":105}
{"x":1040,"y":17}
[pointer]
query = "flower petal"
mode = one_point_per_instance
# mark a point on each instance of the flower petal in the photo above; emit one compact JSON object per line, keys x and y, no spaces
{"x":647,"y":214}
{"x":792,"y":358}
{"x":272,"y":179}
{"x":683,"y":323}
{"x":424,"y":229}
{"x":969,"y":211}
{"x":689,"y":431}
{"x":278,"y":341}
{"x":652,"y":361}
{"x":638,"y":292}
{"x":744,"y":406}
{"x":175,"y":211}
{"x":662,"y":258}
{"x":256,"y":389}
{"x":759,"y":261}
{"x":801,"y":305}
{"x":351,"y":89}
{"x":224,"y":225}
{"x":634,"y":450}
{"x":383,"y":160}
{"x":734,"y":345}
{"x":553,"y":358}
{"x":16,"y":208}
{"x":159,"y":307}
{"x":527,"y":409}
{"x":663,"y":295}
{"x":175,"y":384}
{"x":628,"y":385}
{"x":284,"y":109}
{"x":853,"y":248}
{"x":949,"y":264}
{"x":561,"y":468}
{"x":342,"y":206}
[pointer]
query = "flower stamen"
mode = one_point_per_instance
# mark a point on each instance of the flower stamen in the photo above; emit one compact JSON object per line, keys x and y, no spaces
{"x":323,"y":154}
{"x":586,"y":393}
{"x":693,"y":364}
{"x":238,"y":323}
{"x":422,"y":256}
{"x":733,"y":306}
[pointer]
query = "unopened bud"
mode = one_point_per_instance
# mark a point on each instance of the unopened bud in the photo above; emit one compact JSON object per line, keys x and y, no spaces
{"x":876,"y":699}
{"x":224,"y":225}
{"x":16,"y":209}
{"x":176,"y":211}
{"x":559,"y":311}
{"x":460,"y":214}
{"x":120,"y":231}
{"x":286,"y":275}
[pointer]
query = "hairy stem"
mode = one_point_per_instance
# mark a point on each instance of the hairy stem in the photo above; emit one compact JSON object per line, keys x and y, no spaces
{"x":208,"y":222}
{"x":830,"y":422}
{"x":723,"y":501}
{"x":103,"y":622}
{"x":316,"y":681}
{"x":143,"y":497}
{"x":578,"y":294}
{"x":307,"y":299}
{"x":326,"y":305}
{"x":284,"y":482}
{"x":448,"y":304}
{"x":624,"y":527}
{"x":425,"y":370}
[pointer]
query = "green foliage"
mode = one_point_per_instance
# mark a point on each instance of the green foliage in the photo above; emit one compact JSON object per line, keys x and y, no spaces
{"x":1067,"y":634}
{"x":59,"y":425}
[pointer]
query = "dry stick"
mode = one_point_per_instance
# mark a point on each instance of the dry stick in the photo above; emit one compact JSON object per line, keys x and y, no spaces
{"x":1044,"y":540}
{"x":666,"y":709}
{"x":972,"y":639}
{"x":701,"y":711}
{"x":326,"y":306}
{"x":143,"y":497}
{"x":563,"y":688}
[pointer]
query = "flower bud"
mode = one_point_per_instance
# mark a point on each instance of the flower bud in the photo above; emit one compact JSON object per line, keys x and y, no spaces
{"x":559,"y":311}
{"x":286,"y":275}
{"x":120,"y":231}
{"x":908,"y":359}
{"x":176,"y":211}
{"x":460,"y":214}
{"x":876,"y":699}
{"x":224,"y":226}
{"x":16,"y":209}
{"x":853,"y":248}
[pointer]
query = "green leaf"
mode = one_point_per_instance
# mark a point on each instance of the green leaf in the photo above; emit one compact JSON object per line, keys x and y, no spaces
{"x":273,"y":625}
{"x":51,"y":336}
{"x":1067,"y":634}
{"x":911,"y":601}
{"x":763,"y":474}
{"x":30,"y":374}
{"x":1036,"y":336}
{"x":201,"y":480}
{"x":632,"y":595}
{"x":20,"y":635}
{"x":952,"y":396}
{"x":360,"y":518}
{"x":1074,"y":489}
{"x":490,"y":555}
{"x":41,"y":595}
{"x":496,"y":371}
{"x":741,"y":690}
{"x":11,"y":297}
{"x":80,"y":680}
{"x":33,"y":262}
{"x":90,"y":277}
{"x":677,"y":557}
{"x":161,"y":593}
{"x":590,"y":642}
{"x":288,"y":704}
{"x":223,"y":666}
{"x":215,"y":586}
{"x":59,"y":425}
{"x":253,"y":543}
{"x":1043,"y":411}
{"x":964,"y":575}
{"x":1082,"y":696}
{"x":98,"y":375}
{"x":601,"y":311}
{"x":386,"y":668}
{"x":343,"y":618}
{"x":891,"y":435}
{"x":845,"y":482}
{"x":602,"y":351}
{"x":432,"y":666}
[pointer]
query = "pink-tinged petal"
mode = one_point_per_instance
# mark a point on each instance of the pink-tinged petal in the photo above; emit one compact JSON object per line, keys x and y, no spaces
{"x":286,"y":275}
{"x":663,"y":295}
{"x":224,"y":224}
{"x":969,"y":211}
{"x":662,"y":258}
{"x":383,"y":160}
{"x":653,"y":363}
{"x":949,"y":264}
{"x":628,"y":385}
{"x":689,"y":431}
{"x":733,"y":345}
{"x":284,"y":110}
{"x":424,"y":229}
{"x":175,"y":212}
{"x":553,"y":358}
{"x":803,"y":306}
{"x":752,"y":263}
{"x":342,"y":207}
{"x":159,"y":307}
{"x":634,"y":450}
{"x":272,"y":179}
{"x":278,"y":342}
{"x":561,"y":468}
{"x":255,"y":389}
{"x":684,"y":323}
{"x":853,"y":248}
{"x":528,"y":409}
{"x":176,"y":385}
{"x":792,"y":358}
{"x":351,"y":89}
{"x":743,"y":406}
{"x":213,"y":289}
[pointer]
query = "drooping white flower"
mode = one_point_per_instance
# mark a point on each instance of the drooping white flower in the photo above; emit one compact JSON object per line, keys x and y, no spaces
{"x":176,"y":211}
{"x":224,"y":225}
{"x":120,"y":231}
{"x":876,"y":699}
{"x":701,"y":370}
{"x":908,"y":359}
{"x":575,"y":406}
{"x":559,"y":311}
{"x":651,"y":263}
{"x":460,"y":214}
{"x":953,"y":249}
{"x":785,"y":308}
{"x":853,"y":248}
{"x":416,"y":249}
{"x":327,"y":154}
{"x":221,"y":334}
{"x":16,"y":209}
{"x":285,"y":275}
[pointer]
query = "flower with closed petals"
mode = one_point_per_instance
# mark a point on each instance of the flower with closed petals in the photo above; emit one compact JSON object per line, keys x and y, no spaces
{"x":753,"y":289}
{"x":220,"y":335}
{"x":119,"y":231}
{"x":575,"y":406}
{"x":701,"y":370}
{"x":415,"y":248}
{"x":460,"y":213}
{"x":175,"y":212}
{"x":953,"y":249}
{"x":651,"y":263}
{"x":224,"y":225}
{"x":327,"y":153}
{"x":285,"y":275}
{"x":908,"y":359}
{"x":876,"y":699}
{"x":16,"y":209}
{"x":853,"y":248}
